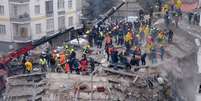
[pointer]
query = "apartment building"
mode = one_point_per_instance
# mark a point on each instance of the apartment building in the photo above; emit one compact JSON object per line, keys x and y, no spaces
{"x":24,"y":20}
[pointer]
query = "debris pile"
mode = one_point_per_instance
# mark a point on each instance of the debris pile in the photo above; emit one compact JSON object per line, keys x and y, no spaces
{"x":142,"y":85}
{"x":26,"y":87}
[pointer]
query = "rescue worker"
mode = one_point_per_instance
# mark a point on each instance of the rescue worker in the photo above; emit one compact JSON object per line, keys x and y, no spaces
{"x":124,"y":61}
{"x":143,"y":57}
{"x":167,"y":19}
{"x":43,"y":63}
{"x":161,"y":37}
{"x":137,"y":54}
{"x":52,"y":63}
{"x":86,"y":49}
{"x":76,"y":66}
{"x":99,"y":40}
{"x":190,"y":16}
{"x":84,"y":64}
{"x":29,"y":66}
{"x":67,"y":66}
{"x":62,"y":59}
{"x":92,"y":64}
{"x":162,"y":52}
{"x":23,"y":64}
{"x":134,"y":61}
{"x":170,"y":36}
{"x":114,"y":56}
{"x":120,"y":38}
{"x":108,"y":40}
{"x":154,"y":55}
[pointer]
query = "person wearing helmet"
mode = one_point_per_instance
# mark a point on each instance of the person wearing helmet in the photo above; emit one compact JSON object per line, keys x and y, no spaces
{"x":43,"y":63}
{"x":29,"y":66}
{"x":86,"y":49}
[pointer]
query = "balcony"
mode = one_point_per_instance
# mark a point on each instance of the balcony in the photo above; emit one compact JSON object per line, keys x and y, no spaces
{"x":21,"y":18}
{"x":21,"y":38}
{"x":19,"y":1}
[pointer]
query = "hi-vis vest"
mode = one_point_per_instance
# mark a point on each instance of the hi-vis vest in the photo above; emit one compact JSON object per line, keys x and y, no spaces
{"x":43,"y":61}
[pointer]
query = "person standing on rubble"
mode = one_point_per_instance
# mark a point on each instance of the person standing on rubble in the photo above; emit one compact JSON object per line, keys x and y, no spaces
{"x":114,"y":57}
{"x":108,"y":40}
{"x":52,"y":63}
{"x":190,"y":16}
{"x":92,"y":64}
{"x":99,"y":40}
{"x":43,"y":63}
{"x":143,"y":57}
{"x":162,"y":52}
{"x":120,"y":37}
{"x":29,"y":66}
{"x":137,"y":54}
{"x":170,"y":36}
{"x":153,"y":55}
{"x":76,"y":66}
{"x":23,"y":64}
{"x":84,"y":64}
{"x":124,"y":61}
{"x":167,"y":19}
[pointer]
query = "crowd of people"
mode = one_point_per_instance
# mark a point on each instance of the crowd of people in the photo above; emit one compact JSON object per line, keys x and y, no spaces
{"x":127,"y":43}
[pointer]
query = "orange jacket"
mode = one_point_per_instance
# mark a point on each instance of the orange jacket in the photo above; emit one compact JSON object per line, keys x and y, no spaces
{"x":62,"y":59}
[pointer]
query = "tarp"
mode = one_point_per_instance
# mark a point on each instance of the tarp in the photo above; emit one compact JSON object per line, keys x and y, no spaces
{"x":82,"y":42}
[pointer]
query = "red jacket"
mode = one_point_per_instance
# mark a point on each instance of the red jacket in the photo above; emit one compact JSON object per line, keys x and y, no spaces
{"x":83,"y":65}
{"x":67,"y":68}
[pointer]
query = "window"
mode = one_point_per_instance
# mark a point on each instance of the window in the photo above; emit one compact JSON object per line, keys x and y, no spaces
{"x":70,"y":21}
{"x":61,"y":22}
{"x":1,"y":10}
{"x":37,"y":9}
{"x":38,"y":28}
{"x":2,"y":29}
{"x":60,"y":4}
{"x":70,"y":3}
{"x":49,"y":7}
{"x":50,"y":24}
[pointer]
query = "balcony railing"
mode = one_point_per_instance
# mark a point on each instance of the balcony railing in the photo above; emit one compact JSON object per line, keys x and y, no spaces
{"x":21,"y":38}
{"x":19,"y":1}
{"x":21,"y":18}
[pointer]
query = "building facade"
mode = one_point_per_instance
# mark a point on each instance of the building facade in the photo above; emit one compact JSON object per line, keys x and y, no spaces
{"x":24,"y":20}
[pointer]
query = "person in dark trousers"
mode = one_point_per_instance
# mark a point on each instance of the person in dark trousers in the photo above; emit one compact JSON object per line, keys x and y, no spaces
{"x":120,"y":38}
{"x":76,"y":66}
{"x":99,"y":41}
{"x":52,"y":64}
{"x":92,"y":64}
{"x":143,"y":58}
{"x":23,"y":64}
{"x":124,"y":61}
{"x":162,"y":52}
{"x":170,"y":36}
{"x":71,"y":60}
{"x":109,"y":50}
{"x":133,"y":61}
{"x":114,"y":57}
{"x":141,"y":14}
{"x":190,"y":15}
{"x":167,"y":20}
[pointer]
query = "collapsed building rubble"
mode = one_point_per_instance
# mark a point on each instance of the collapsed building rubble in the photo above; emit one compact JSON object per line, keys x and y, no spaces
{"x":146,"y":84}
{"x":26,"y":87}
{"x":143,"y":85}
